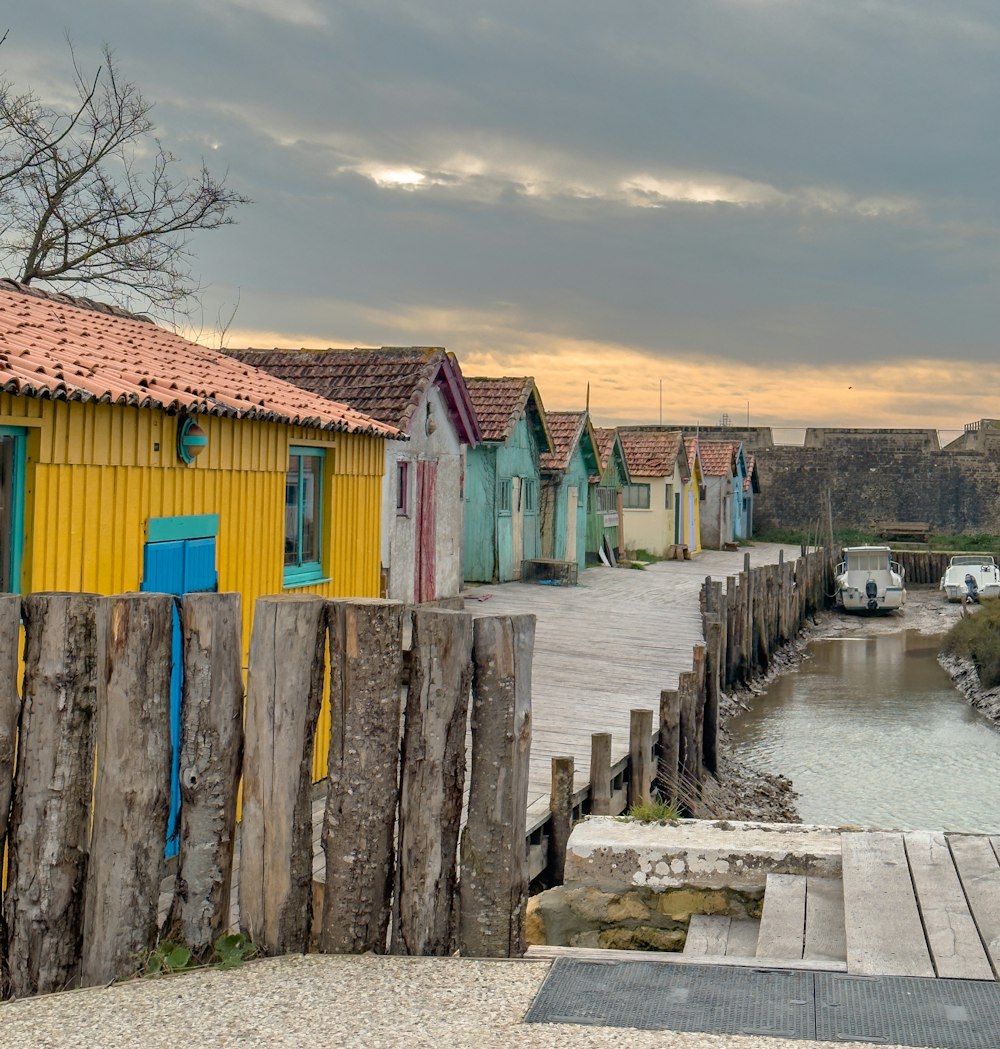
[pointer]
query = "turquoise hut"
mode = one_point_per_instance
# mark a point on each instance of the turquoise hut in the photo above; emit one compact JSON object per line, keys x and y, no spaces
{"x":604,"y":504}
{"x":566,"y":473}
{"x":503,"y":479}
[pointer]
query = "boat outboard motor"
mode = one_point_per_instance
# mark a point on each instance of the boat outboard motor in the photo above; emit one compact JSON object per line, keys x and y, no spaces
{"x":972,"y":587}
{"x":871,"y":592}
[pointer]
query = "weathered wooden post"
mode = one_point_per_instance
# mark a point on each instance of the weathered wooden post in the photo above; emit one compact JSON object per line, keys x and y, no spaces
{"x":687,"y":686}
{"x":710,"y":726}
{"x":670,"y":742}
{"x":132,"y":791}
{"x":211,"y":758}
{"x":493,"y":886}
{"x":732,"y":631}
{"x":561,"y":821}
{"x":432,"y":781}
{"x":699,"y":665}
{"x":640,"y":756}
{"x":49,"y":828}
{"x":600,"y":773}
{"x":10,"y":705}
{"x":359,"y":822}
{"x":284,"y":691}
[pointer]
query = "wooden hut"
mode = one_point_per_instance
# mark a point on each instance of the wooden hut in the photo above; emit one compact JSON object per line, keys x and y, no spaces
{"x":566,"y":473}
{"x":693,"y":497}
{"x":502,"y":482}
{"x":605,"y":512}
{"x":658,"y":468}
{"x":421,"y":392}
{"x":134,"y":459}
{"x":724,"y":466}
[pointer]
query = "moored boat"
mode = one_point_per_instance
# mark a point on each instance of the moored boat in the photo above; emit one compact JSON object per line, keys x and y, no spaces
{"x":971,"y":576}
{"x":868,"y":580}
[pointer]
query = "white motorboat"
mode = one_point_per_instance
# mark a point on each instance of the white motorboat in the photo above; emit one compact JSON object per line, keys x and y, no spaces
{"x":971,"y":576}
{"x":868,"y":580}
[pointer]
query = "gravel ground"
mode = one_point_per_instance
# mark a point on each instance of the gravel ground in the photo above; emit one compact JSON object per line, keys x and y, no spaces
{"x":317,"y":1001}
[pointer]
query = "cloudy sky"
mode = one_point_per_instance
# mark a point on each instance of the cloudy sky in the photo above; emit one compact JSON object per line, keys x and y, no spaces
{"x":781,"y":207}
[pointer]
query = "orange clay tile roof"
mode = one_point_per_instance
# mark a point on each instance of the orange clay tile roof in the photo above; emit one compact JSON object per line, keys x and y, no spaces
{"x":54,"y":346}
{"x":566,"y":429}
{"x":499,"y":403}
{"x":605,"y":443}
{"x":650,"y":453}
{"x":717,"y":457}
{"x":748,"y":480}
{"x":691,"y":447}
{"x":387,"y":384}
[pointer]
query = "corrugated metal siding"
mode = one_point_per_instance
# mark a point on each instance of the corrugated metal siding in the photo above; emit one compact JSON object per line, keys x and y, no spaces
{"x":96,"y":473}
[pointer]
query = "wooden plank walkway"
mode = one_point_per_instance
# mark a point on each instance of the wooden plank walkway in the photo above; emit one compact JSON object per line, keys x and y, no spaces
{"x":608,"y":645}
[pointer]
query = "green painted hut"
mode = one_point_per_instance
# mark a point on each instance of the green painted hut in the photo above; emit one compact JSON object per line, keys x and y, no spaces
{"x":604,"y":502}
{"x":503,"y":479}
{"x":566,"y":473}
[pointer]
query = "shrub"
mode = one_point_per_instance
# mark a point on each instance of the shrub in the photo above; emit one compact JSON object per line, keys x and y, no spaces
{"x":977,"y":638}
{"x":655,"y":810}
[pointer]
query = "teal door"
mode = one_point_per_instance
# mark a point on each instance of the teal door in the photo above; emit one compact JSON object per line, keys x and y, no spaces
{"x":178,"y":566}
{"x":12,"y":459}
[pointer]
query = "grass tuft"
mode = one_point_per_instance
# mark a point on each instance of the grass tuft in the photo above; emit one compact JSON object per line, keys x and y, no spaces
{"x":977,"y":637}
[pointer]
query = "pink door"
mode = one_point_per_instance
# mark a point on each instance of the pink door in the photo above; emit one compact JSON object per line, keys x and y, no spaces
{"x":426,"y":538}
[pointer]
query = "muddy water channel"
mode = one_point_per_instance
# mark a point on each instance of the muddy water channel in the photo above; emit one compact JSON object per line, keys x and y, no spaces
{"x":872,"y":732}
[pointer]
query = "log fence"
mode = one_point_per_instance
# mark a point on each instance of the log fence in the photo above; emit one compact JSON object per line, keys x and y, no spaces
{"x":85,"y":773}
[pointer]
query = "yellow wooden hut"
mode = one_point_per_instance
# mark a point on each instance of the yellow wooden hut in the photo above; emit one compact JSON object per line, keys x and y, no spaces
{"x":131,"y":458}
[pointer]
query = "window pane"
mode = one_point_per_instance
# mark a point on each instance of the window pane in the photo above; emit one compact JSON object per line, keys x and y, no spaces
{"x":312,"y":476}
{"x":292,"y":510}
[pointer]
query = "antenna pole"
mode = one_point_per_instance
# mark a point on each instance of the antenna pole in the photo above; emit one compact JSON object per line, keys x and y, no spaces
{"x":661,"y":402}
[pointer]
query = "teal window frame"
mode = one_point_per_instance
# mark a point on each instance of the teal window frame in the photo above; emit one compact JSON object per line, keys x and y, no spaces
{"x":19,"y":459}
{"x":529,"y":489}
{"x":302,"y":573}
{"x":505,"y":496}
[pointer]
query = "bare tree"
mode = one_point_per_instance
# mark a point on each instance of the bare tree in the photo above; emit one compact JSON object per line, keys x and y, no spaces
{"x":89,"y":196}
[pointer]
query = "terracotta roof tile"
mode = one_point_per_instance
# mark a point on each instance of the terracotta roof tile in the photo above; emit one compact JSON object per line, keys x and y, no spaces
{"x":499,"y":404}
{"x":650,"y":453}
{"x":691,"y":447}
{"x":748,"y":480}
{"x":565,"y":428}
{"x":385,"y":383}
{"x":605,"y":443}
{"x":61,"y":348}
{"x":717,"y":457}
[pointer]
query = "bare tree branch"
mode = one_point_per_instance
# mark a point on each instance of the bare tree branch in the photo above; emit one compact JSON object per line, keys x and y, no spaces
{"x":78,"y":207}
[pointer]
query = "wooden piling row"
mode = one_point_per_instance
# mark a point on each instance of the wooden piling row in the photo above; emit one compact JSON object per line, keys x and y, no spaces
{"x":86,"y":848}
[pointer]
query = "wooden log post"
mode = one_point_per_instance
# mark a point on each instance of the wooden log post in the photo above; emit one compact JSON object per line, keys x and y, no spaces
{"x":10,"y":702}
{"x":710,"y":729}
{"x":699,"y":664}
{"x":640,"y":754}
{"x":210,"y":762}
{"x":360,"y":817}
{"x":670,"y":742}
{"x":132,"y":791}
{"x":493,"y":885}
{"x":284,"y":691}
{"x":561,"y":820}
{"x":600,"y":774}
{"x":432,"y":782}
{"x":732,"y":635}
{"x":687,"y":688}
{"x":49,"y":831}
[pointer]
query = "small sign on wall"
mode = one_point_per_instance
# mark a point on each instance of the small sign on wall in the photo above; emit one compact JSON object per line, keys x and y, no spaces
{"x":610,"y":520}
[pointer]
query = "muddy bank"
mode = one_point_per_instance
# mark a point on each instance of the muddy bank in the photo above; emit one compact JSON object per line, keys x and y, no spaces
{"x":746,"y":792}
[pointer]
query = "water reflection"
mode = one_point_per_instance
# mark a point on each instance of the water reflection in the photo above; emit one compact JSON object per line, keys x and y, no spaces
{"x":871,"y":731}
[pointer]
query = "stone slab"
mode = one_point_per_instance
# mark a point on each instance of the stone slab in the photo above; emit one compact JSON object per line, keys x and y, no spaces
{"x":616,"y":855}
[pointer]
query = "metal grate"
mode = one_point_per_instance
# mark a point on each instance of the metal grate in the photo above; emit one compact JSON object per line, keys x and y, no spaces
{"x":717,"y":999}
{"x":657,"y":997}
{"x":898,"y":1010}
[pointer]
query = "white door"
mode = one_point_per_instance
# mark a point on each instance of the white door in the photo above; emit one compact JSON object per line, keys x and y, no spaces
{"x":516,"y":527}
{"x":572,"y":502}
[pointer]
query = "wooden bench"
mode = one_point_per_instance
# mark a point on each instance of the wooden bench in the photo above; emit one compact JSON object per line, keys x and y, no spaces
{"x":549,"y":570}
{"x":905,"y":531}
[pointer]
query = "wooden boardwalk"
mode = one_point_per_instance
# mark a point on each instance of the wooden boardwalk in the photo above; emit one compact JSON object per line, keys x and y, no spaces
{"x":606,"y":646}
{"x":914,"y":903}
